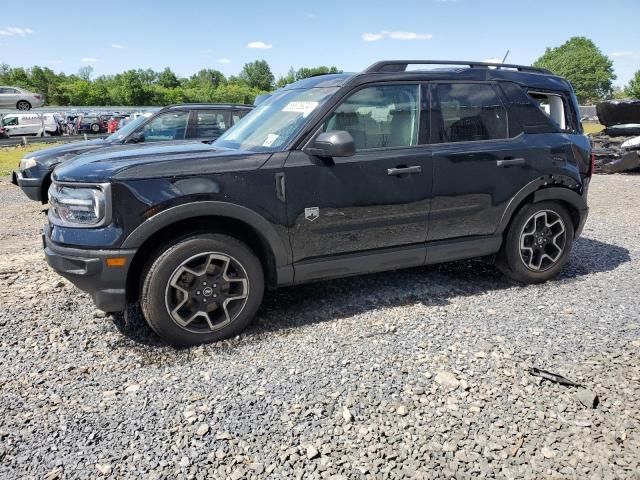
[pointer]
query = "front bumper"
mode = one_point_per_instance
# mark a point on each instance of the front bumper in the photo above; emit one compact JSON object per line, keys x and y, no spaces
{"x":88,"y":270}
{"x":32,"y":187}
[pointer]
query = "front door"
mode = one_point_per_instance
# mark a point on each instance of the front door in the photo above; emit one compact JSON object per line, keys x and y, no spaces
{"x":376,"y":199}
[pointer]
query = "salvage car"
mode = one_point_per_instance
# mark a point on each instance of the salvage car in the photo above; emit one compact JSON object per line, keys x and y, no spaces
{"x":176,"y":122}
{"x":334,"y":175}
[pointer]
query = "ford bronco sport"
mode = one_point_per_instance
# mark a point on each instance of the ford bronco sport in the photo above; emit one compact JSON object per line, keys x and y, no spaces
{"x":331,"y":176}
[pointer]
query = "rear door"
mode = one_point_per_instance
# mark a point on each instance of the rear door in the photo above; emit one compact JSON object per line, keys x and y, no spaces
{"x":376,"y":199}
{"x":8,"y":97}
{"x":478,"y":163}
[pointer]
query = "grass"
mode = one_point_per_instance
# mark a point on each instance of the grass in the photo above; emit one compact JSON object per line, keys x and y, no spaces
{"x":10,"y":156}
{"x":592,"y":127}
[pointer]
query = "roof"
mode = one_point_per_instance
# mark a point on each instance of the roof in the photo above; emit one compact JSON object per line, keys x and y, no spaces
{"x":211,"y":106}
{"x":397,"y":70}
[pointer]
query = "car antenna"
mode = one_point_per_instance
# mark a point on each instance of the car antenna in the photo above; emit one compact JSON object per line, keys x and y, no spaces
{"x":505,"y":56}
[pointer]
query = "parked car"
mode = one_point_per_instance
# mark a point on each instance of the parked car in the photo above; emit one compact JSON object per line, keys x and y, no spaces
{"x":90,"y":124}
{"x":185,"y":122}
{"x":19,"y":98}
{"x":331,"y":176}
{"x":19,"y":124}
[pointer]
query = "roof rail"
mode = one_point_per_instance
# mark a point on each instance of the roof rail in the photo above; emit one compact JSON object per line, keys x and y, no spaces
{"x":390,"y":66}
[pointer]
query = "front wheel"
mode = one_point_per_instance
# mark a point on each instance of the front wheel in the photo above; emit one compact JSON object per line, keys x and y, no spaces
{"x":538,"y":243}
{"x":95,"y":128}
{"x":202,"y":289}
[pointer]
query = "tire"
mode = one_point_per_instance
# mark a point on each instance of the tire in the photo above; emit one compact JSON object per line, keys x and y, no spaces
{"x":533,"y":251}
{"x":95,"y":128}
{"x":171,"y":294}
{"x":23,"y":105}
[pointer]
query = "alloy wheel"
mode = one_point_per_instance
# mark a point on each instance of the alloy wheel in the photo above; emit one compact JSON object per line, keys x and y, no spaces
{"x":207,"y":292}
{"x":22,"y":105}
{"x":542,"y":240}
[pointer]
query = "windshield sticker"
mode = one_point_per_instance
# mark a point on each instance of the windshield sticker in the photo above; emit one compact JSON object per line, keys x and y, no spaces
{"x":305,"y":108}
{"x":272,"y":137}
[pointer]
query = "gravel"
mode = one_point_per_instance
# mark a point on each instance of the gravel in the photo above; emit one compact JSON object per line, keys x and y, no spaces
{"x":420,"y":373}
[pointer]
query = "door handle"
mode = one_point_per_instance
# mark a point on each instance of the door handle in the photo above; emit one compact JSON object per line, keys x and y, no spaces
{"x":404,"y":170}
{"x":509,"y":162}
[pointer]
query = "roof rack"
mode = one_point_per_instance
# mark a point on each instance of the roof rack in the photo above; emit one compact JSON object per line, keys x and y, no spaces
{"x":390,"y":66}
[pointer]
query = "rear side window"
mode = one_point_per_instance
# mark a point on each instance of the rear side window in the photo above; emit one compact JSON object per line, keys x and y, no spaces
{"x":208,"y":124}
{"x":467,"y":112}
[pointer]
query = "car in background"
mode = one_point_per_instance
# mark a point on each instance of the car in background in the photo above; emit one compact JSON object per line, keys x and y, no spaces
{"x":90,"y":124}
{"x":176,"y":123}
{"x":20,"y":124}
{"x":19,"y":98}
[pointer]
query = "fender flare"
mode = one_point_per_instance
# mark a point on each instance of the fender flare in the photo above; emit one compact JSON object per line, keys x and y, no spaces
{"x":211,"y":208}
{"x":541,"y":193}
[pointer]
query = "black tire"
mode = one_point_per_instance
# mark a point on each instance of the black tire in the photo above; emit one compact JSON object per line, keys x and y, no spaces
{"x":23,"y":105}
{"x":95,"y":128}
{"x":513,"y":261}
{"x":157,"y":293}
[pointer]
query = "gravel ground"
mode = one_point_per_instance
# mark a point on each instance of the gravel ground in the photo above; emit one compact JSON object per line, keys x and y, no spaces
{"x":419,"y":373}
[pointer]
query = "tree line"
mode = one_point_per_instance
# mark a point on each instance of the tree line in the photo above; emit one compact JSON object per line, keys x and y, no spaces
{"x":579,"y":60}
{"x":146,"y":87}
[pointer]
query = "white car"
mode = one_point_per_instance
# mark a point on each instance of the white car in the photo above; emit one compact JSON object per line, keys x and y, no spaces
{"x":19,"y":98}
{"x":18,"y":124}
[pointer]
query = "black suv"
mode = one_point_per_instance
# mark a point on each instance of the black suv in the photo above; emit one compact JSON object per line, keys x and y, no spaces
{"x":331,"y":176}
{"x":173,"y":123}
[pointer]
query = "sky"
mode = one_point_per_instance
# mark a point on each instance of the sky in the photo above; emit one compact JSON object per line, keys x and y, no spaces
{"x":189,"y":35}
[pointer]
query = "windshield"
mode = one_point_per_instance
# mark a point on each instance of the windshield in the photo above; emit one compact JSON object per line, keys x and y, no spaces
{"x":272,"y":124}
{"x":126,"y":130}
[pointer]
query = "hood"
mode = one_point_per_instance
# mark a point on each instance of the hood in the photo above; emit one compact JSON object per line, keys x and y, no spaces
{"x":61,"y":153}
{"x":163,"y":159}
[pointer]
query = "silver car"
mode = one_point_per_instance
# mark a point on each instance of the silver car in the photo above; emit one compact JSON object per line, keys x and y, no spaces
{"x":19,"y":98}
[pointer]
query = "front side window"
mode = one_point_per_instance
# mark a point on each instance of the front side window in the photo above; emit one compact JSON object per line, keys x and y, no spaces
{"x":168,"y":126}
{"x":11,"y":121}
{"x":379,"y":117}
{"x":207,"y":124}
{"x":467,"y":112}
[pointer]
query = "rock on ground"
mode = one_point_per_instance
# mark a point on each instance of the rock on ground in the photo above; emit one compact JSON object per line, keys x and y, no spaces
{"x":319,"y":386}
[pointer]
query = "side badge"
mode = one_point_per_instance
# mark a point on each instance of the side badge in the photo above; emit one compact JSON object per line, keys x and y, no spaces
{"x":312,"y":213}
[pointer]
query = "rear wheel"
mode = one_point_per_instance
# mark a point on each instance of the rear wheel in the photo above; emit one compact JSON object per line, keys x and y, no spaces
{"x":95,"y":128}
{"x":23,"y":105}
{"x":202,"y":289}
{"x":538,"y":243}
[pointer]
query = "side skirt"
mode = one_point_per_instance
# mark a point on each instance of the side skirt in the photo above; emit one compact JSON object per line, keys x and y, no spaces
{"x":394,"y":258}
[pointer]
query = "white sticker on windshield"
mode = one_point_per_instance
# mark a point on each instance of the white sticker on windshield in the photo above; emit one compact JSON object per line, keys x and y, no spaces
{"x":305,"y":108}
{"x":272,"y":137}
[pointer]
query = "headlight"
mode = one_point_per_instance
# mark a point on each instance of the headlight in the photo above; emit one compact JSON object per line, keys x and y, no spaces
{"x":27,"y":162}
{"x":79,"y":205}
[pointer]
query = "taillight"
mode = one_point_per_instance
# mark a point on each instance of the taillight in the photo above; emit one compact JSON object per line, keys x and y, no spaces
{"x":37,"y":96}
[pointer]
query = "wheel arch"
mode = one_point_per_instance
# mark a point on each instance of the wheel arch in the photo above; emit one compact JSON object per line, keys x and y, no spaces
{"x":537,"y":192}
{"x":184,"y":220}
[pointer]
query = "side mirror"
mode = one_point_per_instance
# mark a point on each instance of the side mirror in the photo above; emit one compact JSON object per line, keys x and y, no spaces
{"x":137,"y":137}
{"x":332,"y":144}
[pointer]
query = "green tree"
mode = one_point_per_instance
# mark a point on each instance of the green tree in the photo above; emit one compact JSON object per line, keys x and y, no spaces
{"x":290,"y":77}
{"x":168,"y":79}
{"x":305,"y":72}
{"x":206,"y":79}
{"x":581,"y":62}
{"x":257,"y":75}
{"x":633,"y":89}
